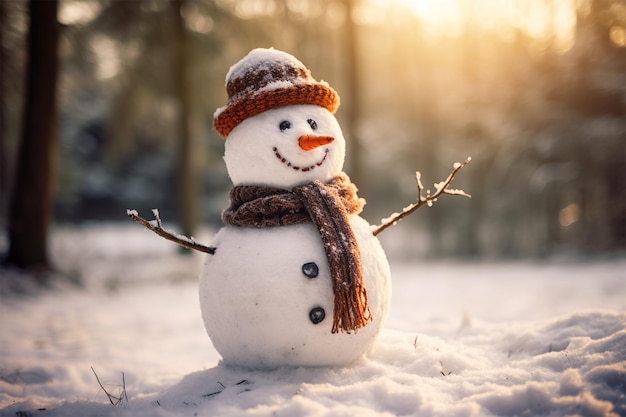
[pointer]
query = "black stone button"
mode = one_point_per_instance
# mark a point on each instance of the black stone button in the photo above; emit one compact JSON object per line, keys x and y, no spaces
{"x":317,"y":315}
{"x":310,"y":269}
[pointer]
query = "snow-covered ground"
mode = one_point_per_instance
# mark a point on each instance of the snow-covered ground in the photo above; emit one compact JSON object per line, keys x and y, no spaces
{"x":462,"y":339}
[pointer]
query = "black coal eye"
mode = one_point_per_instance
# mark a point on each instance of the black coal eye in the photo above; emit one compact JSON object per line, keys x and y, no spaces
{"x":312,"y":123}
{"x":284,"y":125}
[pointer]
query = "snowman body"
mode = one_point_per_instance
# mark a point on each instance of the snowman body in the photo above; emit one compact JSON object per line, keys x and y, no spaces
{"x":267,"y":300}
{"x":266,"y":294}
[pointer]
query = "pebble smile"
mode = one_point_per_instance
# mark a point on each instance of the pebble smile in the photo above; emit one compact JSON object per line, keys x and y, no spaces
{"x":297,"y":168}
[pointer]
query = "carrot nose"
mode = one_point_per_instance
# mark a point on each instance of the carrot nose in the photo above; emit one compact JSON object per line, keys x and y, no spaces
{"x":308,"y":142}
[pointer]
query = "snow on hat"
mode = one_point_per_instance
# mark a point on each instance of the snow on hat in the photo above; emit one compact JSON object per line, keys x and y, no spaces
{"x":266,"y":79}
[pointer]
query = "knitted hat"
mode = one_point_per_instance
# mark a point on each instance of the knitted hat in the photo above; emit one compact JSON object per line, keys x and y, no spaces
{"x":266,"y":79}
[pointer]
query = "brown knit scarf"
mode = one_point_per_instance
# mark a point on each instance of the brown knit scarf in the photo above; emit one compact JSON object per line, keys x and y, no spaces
{"x":328,"y":206}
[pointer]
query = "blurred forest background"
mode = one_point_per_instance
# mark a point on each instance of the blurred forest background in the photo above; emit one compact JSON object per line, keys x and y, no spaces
{"x":533,"y":90}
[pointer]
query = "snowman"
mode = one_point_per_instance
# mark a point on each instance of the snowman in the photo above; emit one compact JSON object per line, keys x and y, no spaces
{"x":297,"y":277}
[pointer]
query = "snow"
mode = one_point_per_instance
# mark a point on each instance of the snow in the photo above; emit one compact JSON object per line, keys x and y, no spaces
{"x":261,"y":59}
{"x":461,"y":339}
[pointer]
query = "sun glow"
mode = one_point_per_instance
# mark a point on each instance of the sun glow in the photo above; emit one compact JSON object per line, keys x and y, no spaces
{"x":441,"y":14}
{"x":550,"y":23}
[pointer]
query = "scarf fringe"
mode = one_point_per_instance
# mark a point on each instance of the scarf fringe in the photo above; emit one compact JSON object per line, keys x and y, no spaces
{"x":351,"y":311}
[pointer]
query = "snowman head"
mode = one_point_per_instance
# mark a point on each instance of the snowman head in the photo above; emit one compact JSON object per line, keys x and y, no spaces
{"x":285,"y":147}
{"x":278,"y":123}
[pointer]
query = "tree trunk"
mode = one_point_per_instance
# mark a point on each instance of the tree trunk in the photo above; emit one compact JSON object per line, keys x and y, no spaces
{"x":32,"y":202}
{"x":425,"y":112}
{"x":4,"y":172}
{"x":353,"y":100}
{"x":187,"y":187}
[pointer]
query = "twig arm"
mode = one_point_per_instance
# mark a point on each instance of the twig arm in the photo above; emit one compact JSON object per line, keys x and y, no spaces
{"x":156,"y":227}
{"x":428,"y":200}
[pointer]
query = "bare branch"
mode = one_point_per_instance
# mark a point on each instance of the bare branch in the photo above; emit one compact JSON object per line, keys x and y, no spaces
{"x":118,"y":400}
{"x":428,"y":200}
{"x":156,"y":226}
{"x":124,"y":387}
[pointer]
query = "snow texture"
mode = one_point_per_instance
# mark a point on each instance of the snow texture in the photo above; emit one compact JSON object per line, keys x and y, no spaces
{"x":461,"y":339}
{"x":261,"y":59}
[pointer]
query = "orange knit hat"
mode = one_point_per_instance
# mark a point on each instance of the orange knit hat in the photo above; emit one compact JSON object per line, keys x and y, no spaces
{"x":266,"y":79}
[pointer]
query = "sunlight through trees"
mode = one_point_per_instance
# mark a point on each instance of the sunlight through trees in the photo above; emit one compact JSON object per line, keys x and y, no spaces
{"x":533,"y":90}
